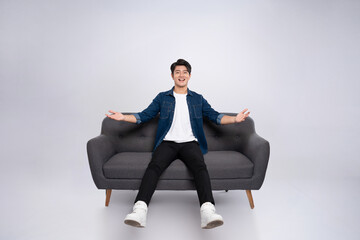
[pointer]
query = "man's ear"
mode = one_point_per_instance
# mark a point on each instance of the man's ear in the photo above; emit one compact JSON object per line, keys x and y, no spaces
{"x":172,"y":76}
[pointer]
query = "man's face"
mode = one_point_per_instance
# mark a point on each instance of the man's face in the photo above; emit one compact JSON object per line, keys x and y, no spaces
{"x":181,"y":76}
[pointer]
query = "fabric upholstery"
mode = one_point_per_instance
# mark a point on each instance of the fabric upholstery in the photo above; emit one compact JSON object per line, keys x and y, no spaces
{"x":220,"y":165}
{"x":237,"y":157}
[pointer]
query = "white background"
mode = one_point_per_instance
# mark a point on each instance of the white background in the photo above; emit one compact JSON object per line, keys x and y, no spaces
{"x":294,"y":64}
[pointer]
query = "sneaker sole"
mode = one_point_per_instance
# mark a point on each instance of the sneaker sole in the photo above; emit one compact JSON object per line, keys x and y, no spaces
{"x":133,"y":223}
{"x":213,"y":224}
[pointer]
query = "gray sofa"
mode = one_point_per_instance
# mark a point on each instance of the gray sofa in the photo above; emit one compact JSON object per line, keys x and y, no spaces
{"x":237,"y":157}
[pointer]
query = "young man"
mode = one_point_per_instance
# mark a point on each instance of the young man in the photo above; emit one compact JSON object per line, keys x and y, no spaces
{"x":180,"y":135}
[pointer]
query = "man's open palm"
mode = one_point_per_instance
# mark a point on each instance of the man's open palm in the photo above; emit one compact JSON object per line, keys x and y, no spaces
{"x":116,"y":115}
{"x":242,"y":116}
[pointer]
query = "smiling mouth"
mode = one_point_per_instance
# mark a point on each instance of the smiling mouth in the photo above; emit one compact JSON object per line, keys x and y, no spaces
{"x":181,"y":80}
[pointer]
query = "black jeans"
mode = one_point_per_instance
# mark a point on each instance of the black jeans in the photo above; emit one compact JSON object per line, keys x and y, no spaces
{"x":163,"y":156}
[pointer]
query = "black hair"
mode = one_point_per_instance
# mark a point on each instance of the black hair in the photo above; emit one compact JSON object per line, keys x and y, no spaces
{"x":180,"y":62}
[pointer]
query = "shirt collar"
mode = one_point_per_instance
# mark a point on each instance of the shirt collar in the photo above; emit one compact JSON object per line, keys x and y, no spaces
{"x":170,"y":92}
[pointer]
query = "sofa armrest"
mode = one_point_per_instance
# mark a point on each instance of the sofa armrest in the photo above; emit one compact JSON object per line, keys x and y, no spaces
{"x":99,"y":149}
{"x":257,"y":149}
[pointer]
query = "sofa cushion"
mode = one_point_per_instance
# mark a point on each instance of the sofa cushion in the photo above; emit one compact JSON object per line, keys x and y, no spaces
{"x":220,"y":164}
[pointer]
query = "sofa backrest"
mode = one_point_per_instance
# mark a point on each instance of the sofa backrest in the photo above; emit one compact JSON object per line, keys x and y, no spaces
{"x":130,"y":137}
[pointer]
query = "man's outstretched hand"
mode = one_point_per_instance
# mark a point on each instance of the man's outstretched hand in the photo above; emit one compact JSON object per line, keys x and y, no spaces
{"x":242,"y":116}
{"x":235,"y":119}
{"x":116,"y":115}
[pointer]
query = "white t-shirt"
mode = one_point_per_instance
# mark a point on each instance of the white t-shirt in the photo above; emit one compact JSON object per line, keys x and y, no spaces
{"x":180,"y":130}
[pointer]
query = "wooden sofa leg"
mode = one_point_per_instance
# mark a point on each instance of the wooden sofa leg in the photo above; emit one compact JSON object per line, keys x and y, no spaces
{"x":251,"y":201}
{"x":108,"y":195}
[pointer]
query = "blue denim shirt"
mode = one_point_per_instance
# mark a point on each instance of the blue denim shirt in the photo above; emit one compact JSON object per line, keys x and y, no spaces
{"x":164,"y":103}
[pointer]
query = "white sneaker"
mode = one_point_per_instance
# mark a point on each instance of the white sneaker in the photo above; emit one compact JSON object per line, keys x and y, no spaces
{"x":138,"y":217}
{"x":210,"y":219}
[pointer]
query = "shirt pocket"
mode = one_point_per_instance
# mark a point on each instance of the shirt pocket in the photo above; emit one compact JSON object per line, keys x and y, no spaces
{"x":197,"y":111}
{"x":165,"y":109}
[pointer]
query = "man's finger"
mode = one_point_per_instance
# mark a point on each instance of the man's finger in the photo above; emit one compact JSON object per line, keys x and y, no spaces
{"x":112,"y":111}
{"x":244,"y":110}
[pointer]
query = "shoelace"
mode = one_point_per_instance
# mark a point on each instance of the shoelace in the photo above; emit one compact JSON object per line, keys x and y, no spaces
{"x":136,"y":210}
{"x":211,"y":210}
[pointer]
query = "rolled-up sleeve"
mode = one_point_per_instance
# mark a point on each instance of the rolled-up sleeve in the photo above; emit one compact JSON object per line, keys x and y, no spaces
{"x":137,"y":116}
{"x":218,"y":119}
